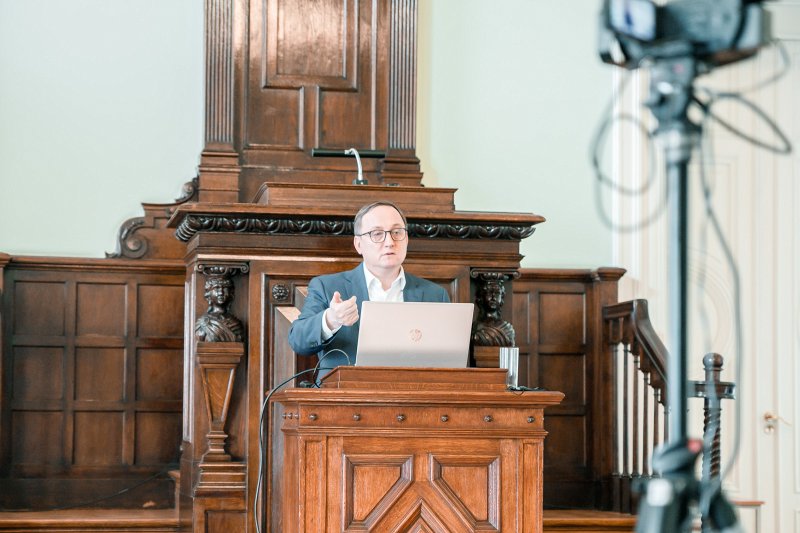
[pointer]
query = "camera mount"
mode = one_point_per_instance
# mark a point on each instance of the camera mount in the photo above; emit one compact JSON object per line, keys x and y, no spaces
{"x":679,"y":40}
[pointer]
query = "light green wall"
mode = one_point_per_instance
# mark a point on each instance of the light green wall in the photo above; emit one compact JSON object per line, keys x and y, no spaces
{"x":101,"y":108}
{"x":510,"y":94}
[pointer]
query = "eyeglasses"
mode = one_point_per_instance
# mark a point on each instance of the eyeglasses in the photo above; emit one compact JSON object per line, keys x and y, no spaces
{"x":379,"y":235}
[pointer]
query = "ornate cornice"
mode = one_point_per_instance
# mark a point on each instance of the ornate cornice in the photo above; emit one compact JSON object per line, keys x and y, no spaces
{"x":132,"y":242}
{"x":305,"y":225}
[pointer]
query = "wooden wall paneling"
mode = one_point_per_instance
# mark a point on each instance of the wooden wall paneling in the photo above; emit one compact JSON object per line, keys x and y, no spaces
{"x":286,"y":77}
{"x":604,"y":291}
{"x":77,"y":332}
{"x":285,"y":244}
{"x":5,"y":383}
{"x":557,"y":315}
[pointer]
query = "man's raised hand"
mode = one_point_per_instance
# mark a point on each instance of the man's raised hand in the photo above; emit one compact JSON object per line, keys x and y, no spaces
{"x":341,"y":312}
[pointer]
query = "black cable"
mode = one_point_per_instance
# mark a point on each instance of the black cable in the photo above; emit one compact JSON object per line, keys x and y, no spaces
{"x":261,"y":438}
{"x":315,"y":382}
{"x":602,"y":179}
{"x":784,"y":148}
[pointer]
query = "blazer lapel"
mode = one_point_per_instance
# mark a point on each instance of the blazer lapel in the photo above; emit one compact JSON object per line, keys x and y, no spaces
{"x":357,"y":285}
{"x":412,"y":291}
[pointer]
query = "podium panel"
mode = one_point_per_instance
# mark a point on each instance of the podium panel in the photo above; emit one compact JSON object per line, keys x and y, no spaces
{"x":413,"y":450}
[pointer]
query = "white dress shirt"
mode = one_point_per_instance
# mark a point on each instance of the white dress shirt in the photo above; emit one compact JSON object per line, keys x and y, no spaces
{"x":376,"y":294}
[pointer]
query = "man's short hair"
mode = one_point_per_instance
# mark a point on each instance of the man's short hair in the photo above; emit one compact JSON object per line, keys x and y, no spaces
{"x":369,"y":207}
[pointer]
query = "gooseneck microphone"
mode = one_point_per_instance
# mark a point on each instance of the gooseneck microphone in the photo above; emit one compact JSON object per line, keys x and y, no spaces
{"x":360,"y":178}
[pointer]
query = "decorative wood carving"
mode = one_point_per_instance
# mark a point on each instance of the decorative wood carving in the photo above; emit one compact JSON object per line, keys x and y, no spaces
{"x":144,"y":237}
{"x":280,"y":293}
{"x":490,"y":328}
{"x":320,"y":225}
{"x":219,"y":352}
{"x":218,"y":362}
{"x":490,"y":331}
{"x":217,"y":324}
{"x":415,"y":450}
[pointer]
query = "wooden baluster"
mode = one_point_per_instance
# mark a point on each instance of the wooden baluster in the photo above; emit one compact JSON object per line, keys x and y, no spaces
{"x":625,"y":413}
{"x":646,"y":421}
{"x":635,"y":413}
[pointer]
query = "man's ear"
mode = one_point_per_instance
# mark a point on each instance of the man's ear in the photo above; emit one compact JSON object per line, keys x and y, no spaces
{"x":357,"y":244}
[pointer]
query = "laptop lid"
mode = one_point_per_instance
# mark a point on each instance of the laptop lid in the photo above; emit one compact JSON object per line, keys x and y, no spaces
{"x":414,"y":334}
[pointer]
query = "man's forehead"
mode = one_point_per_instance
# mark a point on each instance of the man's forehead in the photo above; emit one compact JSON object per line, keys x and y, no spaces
{"x":382,"y":216}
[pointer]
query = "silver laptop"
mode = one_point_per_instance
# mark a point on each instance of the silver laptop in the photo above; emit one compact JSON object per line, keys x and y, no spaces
{"x":416,"y":334}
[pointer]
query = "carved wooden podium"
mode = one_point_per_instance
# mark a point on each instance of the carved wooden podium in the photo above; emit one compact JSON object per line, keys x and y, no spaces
{"x":388,"y":449}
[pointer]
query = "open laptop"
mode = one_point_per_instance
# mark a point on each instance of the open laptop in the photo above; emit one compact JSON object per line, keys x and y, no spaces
{"x":416,"y":334}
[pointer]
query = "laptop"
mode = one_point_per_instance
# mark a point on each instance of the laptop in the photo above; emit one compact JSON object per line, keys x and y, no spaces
{"x":414,"y":334}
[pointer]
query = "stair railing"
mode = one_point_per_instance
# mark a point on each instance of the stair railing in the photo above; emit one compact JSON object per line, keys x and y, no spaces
{"x":639,"y":393}
{"x":640,"y":424}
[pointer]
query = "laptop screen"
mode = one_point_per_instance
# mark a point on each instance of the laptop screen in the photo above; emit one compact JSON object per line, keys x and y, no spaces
{"x":414,"y":334}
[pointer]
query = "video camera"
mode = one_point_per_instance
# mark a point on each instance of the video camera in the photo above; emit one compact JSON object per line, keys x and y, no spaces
{"x":714,"y":32}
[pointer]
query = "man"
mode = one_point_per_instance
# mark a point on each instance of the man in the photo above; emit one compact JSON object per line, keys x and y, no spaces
{"x":328,"y":322}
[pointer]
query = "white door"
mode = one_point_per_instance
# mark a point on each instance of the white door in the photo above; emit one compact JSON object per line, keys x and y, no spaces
{"x":757,"y":200}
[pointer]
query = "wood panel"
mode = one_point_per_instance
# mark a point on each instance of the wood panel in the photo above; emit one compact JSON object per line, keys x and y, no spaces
{"x":287,"y":77}
{"x":316,"y":78}
{"x":91,"y":379}
{"x":557,"y":317}
{"x":375,"y":457}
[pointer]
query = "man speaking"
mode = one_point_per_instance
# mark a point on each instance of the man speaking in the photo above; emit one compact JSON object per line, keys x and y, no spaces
{"x":328,"y":323}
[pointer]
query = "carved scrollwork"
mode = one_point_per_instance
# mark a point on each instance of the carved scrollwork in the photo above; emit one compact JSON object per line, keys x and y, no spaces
{"x":490,"y":329}
{"x":133,"y":244}
{"x":193,"y":224}
{"x":129,"y":244}
{"x":217,"y":324}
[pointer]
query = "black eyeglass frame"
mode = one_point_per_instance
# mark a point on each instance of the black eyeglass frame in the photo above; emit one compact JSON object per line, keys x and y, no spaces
{"x":385,"y":232}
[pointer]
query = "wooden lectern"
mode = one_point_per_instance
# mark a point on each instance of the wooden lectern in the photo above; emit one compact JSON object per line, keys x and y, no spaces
{"x":408,"y":449}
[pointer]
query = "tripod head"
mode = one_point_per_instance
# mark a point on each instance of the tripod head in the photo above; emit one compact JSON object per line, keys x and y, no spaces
{"x":714,"y":32}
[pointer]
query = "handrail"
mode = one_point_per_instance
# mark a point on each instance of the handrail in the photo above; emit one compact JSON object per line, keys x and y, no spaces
{"x":639,"y":376}
{"x":642,"y":334}
{"x":639,"y":405}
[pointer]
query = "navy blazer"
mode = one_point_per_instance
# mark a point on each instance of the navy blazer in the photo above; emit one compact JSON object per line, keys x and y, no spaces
{"x":305,"y":334}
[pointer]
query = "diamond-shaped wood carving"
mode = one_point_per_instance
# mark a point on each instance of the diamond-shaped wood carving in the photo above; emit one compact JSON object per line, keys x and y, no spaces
{"x":471,"y":485}
{"x":372,"y":484}
{"x":420,"y":519}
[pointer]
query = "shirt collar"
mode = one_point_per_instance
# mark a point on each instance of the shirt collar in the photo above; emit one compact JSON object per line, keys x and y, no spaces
{"x":370,"y":278}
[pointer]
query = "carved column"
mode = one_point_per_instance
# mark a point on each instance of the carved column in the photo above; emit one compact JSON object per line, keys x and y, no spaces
{"x":401,"y":165}
{"x":491,"y":331}
{"x":219,"y":161}
{"x":219,"y":351}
